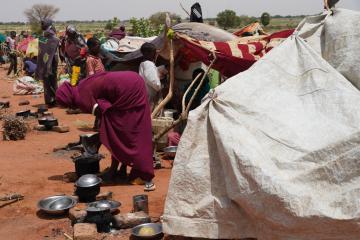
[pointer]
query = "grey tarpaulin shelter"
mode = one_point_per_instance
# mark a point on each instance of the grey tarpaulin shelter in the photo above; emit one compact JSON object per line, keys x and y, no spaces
{"x":273,"y":153}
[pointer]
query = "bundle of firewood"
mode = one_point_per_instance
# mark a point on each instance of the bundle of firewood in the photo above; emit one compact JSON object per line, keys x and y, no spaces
{"x":14,"y":128}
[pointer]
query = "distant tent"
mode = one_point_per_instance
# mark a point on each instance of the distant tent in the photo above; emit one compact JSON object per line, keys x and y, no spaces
{"x":196,"y":13}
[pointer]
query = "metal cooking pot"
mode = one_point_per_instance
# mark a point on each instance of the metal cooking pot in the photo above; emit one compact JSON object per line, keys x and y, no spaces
{"x":101,"y":216}
{"x":112,"y":205}
{"x":87,"y":164}
{"x":48,"y":122}
{"x":88,"y":187}
{"x":141,"y":203}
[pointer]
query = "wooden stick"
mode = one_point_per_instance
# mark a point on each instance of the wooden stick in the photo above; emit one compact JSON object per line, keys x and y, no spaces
{"x":172,"y":79}
{"x":326,"y":4}
{"x":184,"y":9}
{"x":187,"y":91}
{"x":200,"y":84}
{"x":67,"y":236}
{"x":14,"y":196}
{"x":185,"y":113}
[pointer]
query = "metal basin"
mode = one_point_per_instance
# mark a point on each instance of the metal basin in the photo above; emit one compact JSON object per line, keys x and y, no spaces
{"x":156,"y":231}
{"x":170,"y":151}
{"x":88,"y":180}
{"x":105,"y":204}
{"x":25,"y":113}
{"x":56,"y":204}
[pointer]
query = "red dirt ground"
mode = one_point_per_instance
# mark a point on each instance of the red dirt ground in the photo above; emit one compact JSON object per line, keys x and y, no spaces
{"x":30,"y":167}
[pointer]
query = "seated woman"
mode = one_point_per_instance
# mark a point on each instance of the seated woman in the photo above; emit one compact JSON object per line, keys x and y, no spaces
{"x":119,"y":100}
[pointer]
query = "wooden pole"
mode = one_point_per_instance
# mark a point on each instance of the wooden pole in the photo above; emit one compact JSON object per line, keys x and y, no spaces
{"x":172,"y":80}
{"x":185,"y":112}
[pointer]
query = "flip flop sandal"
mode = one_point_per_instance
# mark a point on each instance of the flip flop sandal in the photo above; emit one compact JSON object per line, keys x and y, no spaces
{"x":149,"y":186}
{"x":137,"y":181}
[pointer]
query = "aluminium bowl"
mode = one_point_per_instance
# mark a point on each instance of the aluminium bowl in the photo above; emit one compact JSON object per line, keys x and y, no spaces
{"x":170,"y":151}
{"x":157,"y":227}
{"x":56,"y":204}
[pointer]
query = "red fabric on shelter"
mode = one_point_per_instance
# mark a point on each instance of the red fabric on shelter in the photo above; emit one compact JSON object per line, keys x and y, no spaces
{"x":228,"y":64}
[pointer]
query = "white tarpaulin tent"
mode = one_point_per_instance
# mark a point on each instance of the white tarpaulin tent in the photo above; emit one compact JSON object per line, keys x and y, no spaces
{"x":336,"y":37}
{"x":273,"y":153}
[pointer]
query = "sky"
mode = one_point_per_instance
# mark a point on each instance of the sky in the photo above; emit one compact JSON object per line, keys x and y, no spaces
{"x":12,"y":10}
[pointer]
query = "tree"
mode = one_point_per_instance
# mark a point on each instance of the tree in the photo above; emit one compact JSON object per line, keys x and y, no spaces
{"x":143,"y":28}
{"x":265,"y":19}
{"x":158,"y":19}
{"x":227,"y":19}
{"x":39,"y":12}
{"x":111,"y":24}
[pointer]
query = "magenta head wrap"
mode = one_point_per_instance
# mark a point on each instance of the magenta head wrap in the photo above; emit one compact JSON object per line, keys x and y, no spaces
{"x":66,"y":95}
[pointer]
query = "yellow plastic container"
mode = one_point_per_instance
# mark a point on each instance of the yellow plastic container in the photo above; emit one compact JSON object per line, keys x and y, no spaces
{"x":75,"y":75}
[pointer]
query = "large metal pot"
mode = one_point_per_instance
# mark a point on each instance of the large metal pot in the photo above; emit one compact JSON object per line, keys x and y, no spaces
{"x":87,"y":164}
{"x":88,"y":187}
{"x":101,"y":216}
{"x":113,"y":205}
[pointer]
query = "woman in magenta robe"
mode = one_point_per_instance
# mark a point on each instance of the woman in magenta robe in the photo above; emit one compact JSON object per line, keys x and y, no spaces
{"x":119,"y":100}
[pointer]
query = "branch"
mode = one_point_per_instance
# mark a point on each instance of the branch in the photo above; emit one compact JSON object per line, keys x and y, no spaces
{"x":184,"y":9}
{"x":172,"y":79}
{"x":185,"y":112}
{"x":14,"y":196}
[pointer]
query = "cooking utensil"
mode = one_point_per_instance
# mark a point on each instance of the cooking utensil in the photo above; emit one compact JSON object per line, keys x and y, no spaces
{"x":156,"y":229}
{"x":25,"y":113}
{"x":87,"y":187}
{"x":87,"y":164}
{"x":170,"y":151}
{"x":56,"y":204}
{"x":90,"y":142}
{"x":141,"y":203}
{"x":112,"y":205}
{"x":42,"y":108}
{"x":88,"y":180}
{"x":50,"y":123}
{"x":101,"y":216}
{"x":5,"y":104}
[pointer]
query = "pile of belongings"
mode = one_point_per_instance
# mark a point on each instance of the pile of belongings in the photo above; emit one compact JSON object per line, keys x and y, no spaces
{"x":27,"y":86}
{"x":125,"y":45}
{"x":273,"y":153}
{"x":29,"y":46}
{"x":194,"y":42}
